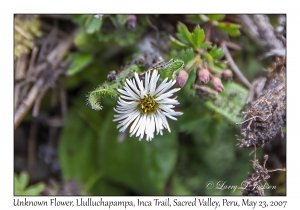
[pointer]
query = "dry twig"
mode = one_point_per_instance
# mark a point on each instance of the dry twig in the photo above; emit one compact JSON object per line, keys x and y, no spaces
{"x":44,"y":74}
{"x":234,"y":66}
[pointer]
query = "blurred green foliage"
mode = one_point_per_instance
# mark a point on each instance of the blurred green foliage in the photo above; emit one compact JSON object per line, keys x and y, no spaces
{"x":216,"y":20}
{"x":21,"y":183}
{"x":201,"y":146}
{"x":79,"y":61}
{"x":108,"y":29}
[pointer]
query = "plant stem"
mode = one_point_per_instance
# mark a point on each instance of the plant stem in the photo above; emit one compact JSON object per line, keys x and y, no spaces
{"x":234,"y":66}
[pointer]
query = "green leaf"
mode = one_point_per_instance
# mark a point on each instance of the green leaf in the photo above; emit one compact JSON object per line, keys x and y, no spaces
{"x":21,"y":183}
{"x":216,"y":53}
{"x":198,"y":37}
{"x":142,"y":166}
{"x":109,"y":167}
{"x":205,"y":45}
{"x":230,"y":28}
{"x":178,"y":188}
{"x":171,"y":69}
{"x":215,"y":16}
{"x":208,"y":57}
{"x":177,"y":44}
{"x":195,"y":19}
{"x":16,"y":182}
{"x":192,"y":118}
{"x":230,"y":102}
{"x":118,"y":20}
{"x":219,"y":65}
{"x":87,"y":42}
{"x":121,"y":19}
{"x":79,"y":150}
{"x":87,"y":20}
{"x":94,"y":25}
{"x":23,"y":180}
{"x":77,"y":19}
{"x":79,"y":61}
{"x":187,"y":55}
{"x":184,"y":35}
{"x":82,"y":148}
{"x":35,"y":189}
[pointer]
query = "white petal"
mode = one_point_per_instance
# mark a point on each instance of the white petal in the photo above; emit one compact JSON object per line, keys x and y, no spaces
{"x":148,"y":128}
{"x":147,"y":77}
{"x":129,"y":120}
{"x":164,"y":120}
{"x":140,"y":84}
{"x":161,"y":86}
{"x":127,"y":93}
{"x":142,"y":127}
{"x":166,"y":87}
{"x":122,"y":116}
{"x":168,"y":101}
{"x":167,"y":94}
{"x":159,"y":123}
{"x":131,"y":88}
{"x":134,"y":126}
{"x":153,"y":82}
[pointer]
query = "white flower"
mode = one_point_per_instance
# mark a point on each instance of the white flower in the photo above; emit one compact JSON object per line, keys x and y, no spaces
{"x":145,"y":106}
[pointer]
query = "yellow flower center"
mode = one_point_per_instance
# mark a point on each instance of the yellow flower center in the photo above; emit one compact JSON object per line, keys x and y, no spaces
{"x":148,"y":105}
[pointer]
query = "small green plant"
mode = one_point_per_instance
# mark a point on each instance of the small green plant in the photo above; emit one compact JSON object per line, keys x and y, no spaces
{"x":22,"y":188}
{"x":204,"y":64}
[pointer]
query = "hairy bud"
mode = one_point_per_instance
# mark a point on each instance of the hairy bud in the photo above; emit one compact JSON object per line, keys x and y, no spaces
{"x":217,"y":83}
{"x":182,"y":78}
{"x":203,"y":76}
{"x":227,"y":74}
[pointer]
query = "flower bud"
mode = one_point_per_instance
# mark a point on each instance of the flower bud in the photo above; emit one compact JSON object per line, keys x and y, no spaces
{"x":131,"y":22}
{"x":227,"y":74}
{"x":217,"y":83}
{"x":203,"y":76}
{"x":182,"y":78}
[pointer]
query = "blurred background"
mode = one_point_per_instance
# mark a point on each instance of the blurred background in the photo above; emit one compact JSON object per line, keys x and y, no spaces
{"x":63,"y":147}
